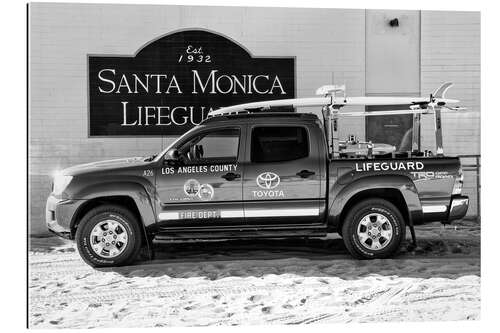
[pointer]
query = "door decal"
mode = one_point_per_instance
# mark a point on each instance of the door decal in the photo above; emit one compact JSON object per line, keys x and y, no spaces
{"x":206,"y":192}
{"x":215,"y":214}
{"x":281,"y":212}
{"x":199,"y":214}
{"x":268,"y":182}
{"x":193,"y":188}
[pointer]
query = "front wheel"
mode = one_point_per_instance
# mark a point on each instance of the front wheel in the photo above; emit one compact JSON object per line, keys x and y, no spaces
{"x":373,"y":228}
{"x":108,"y":236}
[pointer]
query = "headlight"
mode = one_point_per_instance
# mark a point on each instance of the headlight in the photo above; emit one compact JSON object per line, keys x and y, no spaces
{"x":60,"y":183}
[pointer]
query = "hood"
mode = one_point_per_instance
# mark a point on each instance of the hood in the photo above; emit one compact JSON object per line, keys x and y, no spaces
{"x":104,"y":165}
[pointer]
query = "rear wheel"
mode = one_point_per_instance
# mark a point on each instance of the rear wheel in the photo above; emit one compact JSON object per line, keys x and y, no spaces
{"x":108,"y":235}
{"x":373,"y":228}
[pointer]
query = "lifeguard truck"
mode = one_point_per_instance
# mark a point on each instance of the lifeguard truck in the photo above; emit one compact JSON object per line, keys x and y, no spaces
{"x":263,"y":170}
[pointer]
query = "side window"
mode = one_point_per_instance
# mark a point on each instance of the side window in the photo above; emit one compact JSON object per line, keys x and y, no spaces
{"x":279,"y":144}
{"x":219,"y":146}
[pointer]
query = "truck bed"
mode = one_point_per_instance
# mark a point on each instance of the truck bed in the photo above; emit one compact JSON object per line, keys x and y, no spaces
{"x":431,"y":179}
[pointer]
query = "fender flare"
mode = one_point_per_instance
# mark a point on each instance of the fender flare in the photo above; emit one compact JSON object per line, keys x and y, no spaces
{"x":401,"y":183}
{"x":137,"y":191}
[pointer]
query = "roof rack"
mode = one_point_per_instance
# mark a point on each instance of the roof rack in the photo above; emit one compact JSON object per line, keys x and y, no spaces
{"x":331,"y":104}
{"x":260,"y":115}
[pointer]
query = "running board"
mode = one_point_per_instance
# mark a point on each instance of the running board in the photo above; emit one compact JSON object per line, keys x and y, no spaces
{"x":179,"y":236}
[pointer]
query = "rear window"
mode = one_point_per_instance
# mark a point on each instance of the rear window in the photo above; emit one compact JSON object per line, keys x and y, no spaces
{"x":279,"y":144}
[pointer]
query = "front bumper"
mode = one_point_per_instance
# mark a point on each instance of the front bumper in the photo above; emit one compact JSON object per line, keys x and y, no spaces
{"x":59,"y":214}
{"x":458,"y":207}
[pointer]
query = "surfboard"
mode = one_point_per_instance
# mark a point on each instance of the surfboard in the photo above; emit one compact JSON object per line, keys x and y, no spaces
{"x":424,"y":104}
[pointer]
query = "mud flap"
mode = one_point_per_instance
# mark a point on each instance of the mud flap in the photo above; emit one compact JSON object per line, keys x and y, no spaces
{"x":413,"y":244}
{"x":148,"y":248}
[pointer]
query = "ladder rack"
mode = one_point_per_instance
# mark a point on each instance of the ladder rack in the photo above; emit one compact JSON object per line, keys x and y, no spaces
{"x":331,"y":104}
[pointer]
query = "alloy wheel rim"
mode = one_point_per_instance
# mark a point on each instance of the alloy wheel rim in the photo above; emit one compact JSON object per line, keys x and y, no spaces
{"x":374,"y":231}
{"x":109,"y":238}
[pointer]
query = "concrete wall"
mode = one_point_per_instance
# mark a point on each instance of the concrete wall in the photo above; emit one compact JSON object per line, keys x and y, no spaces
{"x":329,"y":44}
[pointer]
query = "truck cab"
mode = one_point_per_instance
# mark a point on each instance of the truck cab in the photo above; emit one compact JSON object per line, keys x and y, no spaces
{"x":252,"y":172}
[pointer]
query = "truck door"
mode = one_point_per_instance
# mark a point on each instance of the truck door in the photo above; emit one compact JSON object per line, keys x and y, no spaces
{"x":205,"y":187}
{"x":281,"y":178}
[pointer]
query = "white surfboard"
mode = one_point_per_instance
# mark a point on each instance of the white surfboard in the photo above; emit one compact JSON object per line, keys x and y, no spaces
{"x":337,"y":102}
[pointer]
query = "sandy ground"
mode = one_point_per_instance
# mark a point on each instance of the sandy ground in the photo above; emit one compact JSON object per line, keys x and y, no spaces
{"x":259,"y":282}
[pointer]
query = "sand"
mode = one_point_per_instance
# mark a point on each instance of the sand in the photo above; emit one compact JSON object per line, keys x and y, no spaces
{"x":259,"y":282}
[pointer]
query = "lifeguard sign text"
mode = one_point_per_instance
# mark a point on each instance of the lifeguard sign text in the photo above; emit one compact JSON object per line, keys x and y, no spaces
{"x":171,"y":84}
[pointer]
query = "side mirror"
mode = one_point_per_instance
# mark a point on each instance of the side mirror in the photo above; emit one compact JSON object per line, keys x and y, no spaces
{"x":171,"y":157}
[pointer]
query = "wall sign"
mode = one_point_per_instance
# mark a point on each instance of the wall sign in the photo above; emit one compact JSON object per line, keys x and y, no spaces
{"x":172,"y":83}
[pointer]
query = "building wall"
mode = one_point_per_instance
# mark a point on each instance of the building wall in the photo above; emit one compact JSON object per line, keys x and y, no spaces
{"x":392,"y":53}
{"x":329,"y":46}
{"x":450,"y":49}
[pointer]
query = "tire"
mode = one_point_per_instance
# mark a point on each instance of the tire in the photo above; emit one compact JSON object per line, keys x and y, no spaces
{"x":373,"y":229}
{"x":97,"y":224}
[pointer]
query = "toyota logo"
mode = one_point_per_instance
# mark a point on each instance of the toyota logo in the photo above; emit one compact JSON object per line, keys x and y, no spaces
{"x":268,"y":180}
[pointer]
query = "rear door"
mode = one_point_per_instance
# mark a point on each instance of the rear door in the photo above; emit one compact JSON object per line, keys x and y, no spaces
{"x":281,"y":182}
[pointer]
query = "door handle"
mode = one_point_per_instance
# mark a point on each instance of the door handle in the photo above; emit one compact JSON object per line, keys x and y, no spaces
{"x":305,"y":173}
{"x":231,"y":176}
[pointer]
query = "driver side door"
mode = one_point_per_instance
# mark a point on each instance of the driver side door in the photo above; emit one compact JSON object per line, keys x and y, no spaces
{"x":204,"y":188}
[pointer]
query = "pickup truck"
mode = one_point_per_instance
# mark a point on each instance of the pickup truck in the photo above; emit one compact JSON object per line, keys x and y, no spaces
{"x":251,"y":175}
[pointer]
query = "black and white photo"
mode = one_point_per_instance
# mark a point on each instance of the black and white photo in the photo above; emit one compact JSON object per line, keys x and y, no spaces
{"x":212,"y":165}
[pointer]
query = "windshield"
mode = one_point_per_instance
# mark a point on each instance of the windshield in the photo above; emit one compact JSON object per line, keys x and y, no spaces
{"x":164,"y":151}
